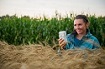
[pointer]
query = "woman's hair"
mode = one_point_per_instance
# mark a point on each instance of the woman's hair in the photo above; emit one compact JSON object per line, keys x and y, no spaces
{"x":85,"y":19}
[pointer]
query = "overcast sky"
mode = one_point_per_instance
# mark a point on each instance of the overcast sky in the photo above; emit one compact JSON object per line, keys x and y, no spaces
{"x":48,"y":7}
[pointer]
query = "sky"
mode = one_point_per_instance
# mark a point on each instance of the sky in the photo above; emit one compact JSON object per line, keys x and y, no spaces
{"x":35,"y":8}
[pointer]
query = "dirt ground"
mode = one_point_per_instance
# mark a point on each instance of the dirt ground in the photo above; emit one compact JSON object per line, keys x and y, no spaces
{"x":44,"y":57}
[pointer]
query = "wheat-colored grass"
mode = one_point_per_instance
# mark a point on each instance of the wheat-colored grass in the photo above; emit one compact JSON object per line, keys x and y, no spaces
{"x":44,"y":57}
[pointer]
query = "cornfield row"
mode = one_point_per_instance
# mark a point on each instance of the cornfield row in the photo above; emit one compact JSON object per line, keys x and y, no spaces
{"x":25,"y":30}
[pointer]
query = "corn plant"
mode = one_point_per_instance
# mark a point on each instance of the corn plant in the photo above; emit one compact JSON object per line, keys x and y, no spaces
{"x":25,"y":30}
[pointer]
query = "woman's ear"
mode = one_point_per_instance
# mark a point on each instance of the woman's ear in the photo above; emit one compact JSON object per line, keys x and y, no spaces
{"x":87,"y":25}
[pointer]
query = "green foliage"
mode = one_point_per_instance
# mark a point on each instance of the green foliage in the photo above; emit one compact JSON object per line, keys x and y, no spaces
{"x":26,"y":30}
{"x":97,"y":28}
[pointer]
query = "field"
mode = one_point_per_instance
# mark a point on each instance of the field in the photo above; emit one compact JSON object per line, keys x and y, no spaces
{"x":25,"y":30}
{"x":36,"y":56}
{"x":31,"y":43}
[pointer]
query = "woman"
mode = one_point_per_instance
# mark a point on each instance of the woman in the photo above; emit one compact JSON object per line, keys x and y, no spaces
{"x":81,"y":36}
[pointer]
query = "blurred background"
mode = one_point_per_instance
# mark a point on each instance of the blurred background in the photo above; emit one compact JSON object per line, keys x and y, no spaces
{"x":39,"y":21}
{"x":35,"y":8}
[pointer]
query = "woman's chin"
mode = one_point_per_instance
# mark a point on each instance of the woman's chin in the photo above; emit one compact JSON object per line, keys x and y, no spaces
{"x":79,"y":32}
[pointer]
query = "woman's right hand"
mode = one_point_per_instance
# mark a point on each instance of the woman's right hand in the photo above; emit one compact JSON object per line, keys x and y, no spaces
{"x":62,"y":43}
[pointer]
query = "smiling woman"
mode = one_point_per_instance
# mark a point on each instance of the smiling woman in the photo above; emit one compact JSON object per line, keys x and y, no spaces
{"x":40,"y":7}
{"x":81,"y":36}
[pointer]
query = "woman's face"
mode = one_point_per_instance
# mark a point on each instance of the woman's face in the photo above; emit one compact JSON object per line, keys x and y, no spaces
{"x":80,"y":26}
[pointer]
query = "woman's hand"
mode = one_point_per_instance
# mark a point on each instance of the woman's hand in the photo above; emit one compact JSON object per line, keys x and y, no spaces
{"x":62,"y":43}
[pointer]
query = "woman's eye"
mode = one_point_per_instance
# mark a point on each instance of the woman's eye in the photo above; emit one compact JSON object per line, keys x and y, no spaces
{"x":80,"y":24}
{"x":74,"y":25}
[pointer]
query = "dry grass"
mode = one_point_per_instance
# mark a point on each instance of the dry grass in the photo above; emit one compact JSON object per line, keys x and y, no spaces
{"x":40,"y":57}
